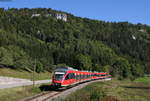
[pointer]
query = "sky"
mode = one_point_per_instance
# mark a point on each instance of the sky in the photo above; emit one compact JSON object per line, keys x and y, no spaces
{"x":133,"y":11}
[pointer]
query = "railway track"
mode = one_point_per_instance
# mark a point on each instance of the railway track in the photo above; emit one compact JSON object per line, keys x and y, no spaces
{"x":49,"y":95}
{"x":46,"y":96}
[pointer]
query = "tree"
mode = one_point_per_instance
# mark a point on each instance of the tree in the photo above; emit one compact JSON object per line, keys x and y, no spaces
{"x":106,"y":68}
{"x":84,"y":62}
{"x":39,"y":67}
{"x":6,"y":57}
{"x":137,"y":70}
{"x":121,"y":68}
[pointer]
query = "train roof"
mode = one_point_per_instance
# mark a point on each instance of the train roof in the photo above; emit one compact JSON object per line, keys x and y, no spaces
{"x":67,"y":68}
{"x":64,"y":68}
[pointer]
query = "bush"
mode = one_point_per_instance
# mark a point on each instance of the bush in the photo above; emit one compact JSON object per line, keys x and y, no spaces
{"x":39,"y":67}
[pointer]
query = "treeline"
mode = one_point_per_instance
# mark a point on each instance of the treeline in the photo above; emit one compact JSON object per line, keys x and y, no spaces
{"x":123,"y":49}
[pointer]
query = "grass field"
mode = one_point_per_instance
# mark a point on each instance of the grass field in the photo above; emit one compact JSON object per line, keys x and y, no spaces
{"x":114,"y":90}
{"x":143,"y":79}
{"x":15,"y":94}
{"x":24,"y":74}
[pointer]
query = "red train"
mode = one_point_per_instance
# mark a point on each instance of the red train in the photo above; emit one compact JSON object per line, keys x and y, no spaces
{"x":67,"y":76}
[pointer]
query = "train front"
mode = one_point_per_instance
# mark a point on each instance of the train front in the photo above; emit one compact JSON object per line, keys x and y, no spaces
{"x":58,"y":77}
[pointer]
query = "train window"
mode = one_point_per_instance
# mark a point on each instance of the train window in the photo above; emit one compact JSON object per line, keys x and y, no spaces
{"x":70,"y":76}
{"x":73,"y":75}
{"x":77,"y":77}
{"x":81,"y":77}
{"x":58,"y":76}
{"x":67,"y":77}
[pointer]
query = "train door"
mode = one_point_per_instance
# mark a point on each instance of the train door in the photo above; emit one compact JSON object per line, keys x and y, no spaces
{"x":70,"y":78}
{"x":67,"y":80}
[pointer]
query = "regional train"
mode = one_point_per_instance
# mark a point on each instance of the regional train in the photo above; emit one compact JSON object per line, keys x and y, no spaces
{"x":67,"y":76}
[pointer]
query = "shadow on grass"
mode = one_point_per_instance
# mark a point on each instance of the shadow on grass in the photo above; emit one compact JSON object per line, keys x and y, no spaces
{"x":49,"y":88}
{"x":134,"y":87}
{"x":7,"y":66}
{"x":46,"y":88}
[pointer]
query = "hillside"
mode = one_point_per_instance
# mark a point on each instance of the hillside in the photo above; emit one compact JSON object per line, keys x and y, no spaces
{"x":46,"y":37}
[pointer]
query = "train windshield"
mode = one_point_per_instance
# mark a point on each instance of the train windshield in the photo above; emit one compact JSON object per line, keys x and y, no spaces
{"x":59,"y":75}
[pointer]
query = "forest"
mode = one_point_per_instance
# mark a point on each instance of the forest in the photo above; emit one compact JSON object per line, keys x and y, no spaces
{"x":35,"y":37}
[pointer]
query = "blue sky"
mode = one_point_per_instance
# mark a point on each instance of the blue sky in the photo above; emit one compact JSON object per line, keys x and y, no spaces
{"x":134,"y":11}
